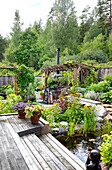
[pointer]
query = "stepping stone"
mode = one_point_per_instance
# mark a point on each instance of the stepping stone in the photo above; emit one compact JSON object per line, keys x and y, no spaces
{"x":107,"y":105}
{"x":109,"y":109}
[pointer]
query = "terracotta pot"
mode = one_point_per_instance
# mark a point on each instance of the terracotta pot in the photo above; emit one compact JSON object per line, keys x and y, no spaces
{"x":42,"y":96}
{"x":35,"y":118}
{"x":21,"y":114}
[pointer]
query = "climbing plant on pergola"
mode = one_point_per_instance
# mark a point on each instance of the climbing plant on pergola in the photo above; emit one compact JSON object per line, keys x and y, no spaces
{"x":64,"y":67}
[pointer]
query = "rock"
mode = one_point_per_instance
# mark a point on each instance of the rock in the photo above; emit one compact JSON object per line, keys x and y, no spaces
{"x":107,"y":105}
{"x":108,"y":117}
{"x":100,"y":119}
{"x":109,"y":109}
{"x":56,"y":130}
{"x":100,"y":111}
{"x":64,"y":123}
{"x":92,"y":140}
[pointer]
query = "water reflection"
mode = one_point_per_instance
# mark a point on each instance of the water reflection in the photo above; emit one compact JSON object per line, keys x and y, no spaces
{"x":80,"y":144}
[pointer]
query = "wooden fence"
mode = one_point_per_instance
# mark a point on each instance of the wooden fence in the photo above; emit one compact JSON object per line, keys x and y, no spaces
{"x":4,"y":80}
{"x":103,"y":71}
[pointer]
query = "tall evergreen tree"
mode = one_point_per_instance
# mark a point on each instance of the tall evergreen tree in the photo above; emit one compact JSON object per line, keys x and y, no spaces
{"x":105,"y":15}
{"x":3,"y":45}
{"x":16,"y":31}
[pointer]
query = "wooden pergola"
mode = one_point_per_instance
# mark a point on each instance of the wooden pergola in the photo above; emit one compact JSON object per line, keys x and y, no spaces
{"x":65,"y":67}
{"x":15,"y":78}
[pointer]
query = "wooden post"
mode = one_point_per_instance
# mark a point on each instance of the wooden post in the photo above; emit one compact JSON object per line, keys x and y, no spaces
{"x":46,"y":77}
{"x":15,"y":85}
{"x":75,"y":75}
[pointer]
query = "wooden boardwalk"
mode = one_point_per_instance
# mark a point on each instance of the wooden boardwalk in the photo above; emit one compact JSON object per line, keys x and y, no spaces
{"x":32,"y":152}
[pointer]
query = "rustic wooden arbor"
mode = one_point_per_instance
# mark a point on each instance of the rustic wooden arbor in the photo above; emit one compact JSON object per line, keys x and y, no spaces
{"x":15,"y":79}
{"x":68,"y":66}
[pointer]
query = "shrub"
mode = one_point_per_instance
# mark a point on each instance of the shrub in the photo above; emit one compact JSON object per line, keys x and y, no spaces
{"x":106,"y":97}
{"x":102,"y":86}
{"x":108,"y":77}
{"x":106,"y":149}
{"x":6,"y":105}
{"x":90,"y":95}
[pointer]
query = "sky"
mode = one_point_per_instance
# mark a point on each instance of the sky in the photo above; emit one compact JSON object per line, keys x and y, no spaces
{"x":31,"y":11}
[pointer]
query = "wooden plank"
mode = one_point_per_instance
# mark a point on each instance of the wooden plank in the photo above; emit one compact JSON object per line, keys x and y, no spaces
{"x":9,"y":147}
{"x":25,"y":151}
{"x":56,"y":153}
{"x":9,"y":114}
{"x":75,"y":158}
{"x":46,"y":153}
{"x":36,"y":129}
{"x":37,"y":146}
{"x":36,"y":154}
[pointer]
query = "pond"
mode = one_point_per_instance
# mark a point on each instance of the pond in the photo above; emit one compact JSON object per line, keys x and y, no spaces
{"x":80,"y":144}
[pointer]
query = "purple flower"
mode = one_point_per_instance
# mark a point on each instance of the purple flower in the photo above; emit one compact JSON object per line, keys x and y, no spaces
{"x":20,"y":106}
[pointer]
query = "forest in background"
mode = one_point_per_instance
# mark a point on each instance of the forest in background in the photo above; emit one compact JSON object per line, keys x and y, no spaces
{"x":89,"y":42}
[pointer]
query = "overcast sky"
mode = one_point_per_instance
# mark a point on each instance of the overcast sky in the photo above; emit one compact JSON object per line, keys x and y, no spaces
{"x":32,"y":10}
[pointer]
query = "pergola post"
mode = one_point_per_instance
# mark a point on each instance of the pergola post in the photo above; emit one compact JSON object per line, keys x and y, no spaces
{"x":46,"y":77}
{"x":15,"y":85}
{"x":75,"y":74}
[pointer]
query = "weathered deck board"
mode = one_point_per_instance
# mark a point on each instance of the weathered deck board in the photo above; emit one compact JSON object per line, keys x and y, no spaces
{"x":30,"y":152}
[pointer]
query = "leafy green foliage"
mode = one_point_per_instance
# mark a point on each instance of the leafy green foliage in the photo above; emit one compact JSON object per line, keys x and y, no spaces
{"x":106,"y":148}
{"x":108,"y":77}
{"x":107,"y":97}
{"x":29,"y":50}
{"x":89,"y":119}
{"x":102,"y":86}
{"x":6,"y":105}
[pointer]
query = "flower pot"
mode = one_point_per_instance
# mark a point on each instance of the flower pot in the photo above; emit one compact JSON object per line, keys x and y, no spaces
{"x":21,"y":114}
{"x":35,"y":118}
{"x":42,"y":96}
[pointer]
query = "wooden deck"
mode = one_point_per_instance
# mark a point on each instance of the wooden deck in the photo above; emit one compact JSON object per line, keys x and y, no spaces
{"x":32,"y":152}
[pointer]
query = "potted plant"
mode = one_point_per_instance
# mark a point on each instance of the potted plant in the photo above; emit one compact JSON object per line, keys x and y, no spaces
{"x":20,"y":107}
{"x":42,"y":94}
{"x":34,"y":112}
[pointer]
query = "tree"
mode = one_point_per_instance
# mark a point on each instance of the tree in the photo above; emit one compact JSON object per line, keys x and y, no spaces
{"x":29,"y":50}
{"x":3,"y":45}
{"x":105,"y":15}
{"x":64,"y":27}
{"x":16,"y":31}
{"x":37,"y":27}
{"x":86,"y":22}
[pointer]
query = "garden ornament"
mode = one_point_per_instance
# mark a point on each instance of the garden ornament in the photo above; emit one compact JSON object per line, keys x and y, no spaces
{"x":93,"y":160}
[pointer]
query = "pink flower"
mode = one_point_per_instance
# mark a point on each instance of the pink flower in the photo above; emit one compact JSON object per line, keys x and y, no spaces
{"x":13,"y":71}
{"x":20,"y":72}
{"x":15,"y":66}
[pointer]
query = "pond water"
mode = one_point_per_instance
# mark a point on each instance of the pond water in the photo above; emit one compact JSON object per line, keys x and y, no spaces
{"x":80,"y":144}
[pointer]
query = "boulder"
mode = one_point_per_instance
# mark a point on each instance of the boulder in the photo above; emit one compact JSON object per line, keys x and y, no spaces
{"x":109,"y":109}
{"x":100,"y":111}
{"x":107,"y":105}
{"x":108,"y":117}
{"x":100,"y":119}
